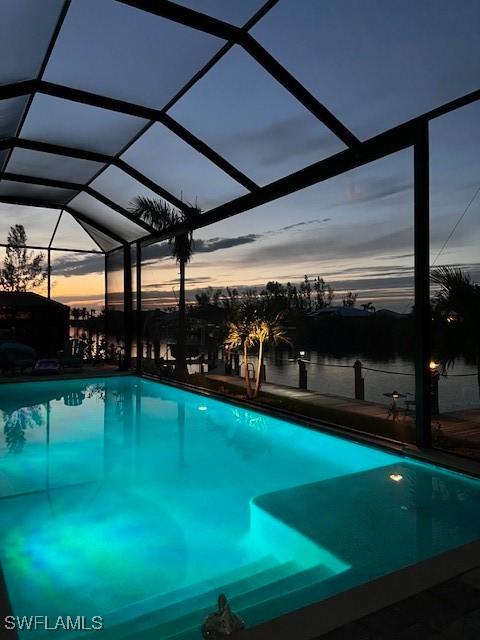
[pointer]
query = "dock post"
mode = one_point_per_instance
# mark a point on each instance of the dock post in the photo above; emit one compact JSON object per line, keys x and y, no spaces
{"x":236,"y":363}
{"x":302,"y":374}
{"x":359,"y":381}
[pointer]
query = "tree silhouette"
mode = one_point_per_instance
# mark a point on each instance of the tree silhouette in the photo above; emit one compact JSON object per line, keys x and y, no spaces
{"x":457,"y":307}
{"x":22,"y":269}
{"x":164,"y":218}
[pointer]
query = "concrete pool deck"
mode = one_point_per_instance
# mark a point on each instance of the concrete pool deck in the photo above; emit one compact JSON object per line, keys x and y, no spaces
{"x":448,"y":611}
{"x":87,"y":371}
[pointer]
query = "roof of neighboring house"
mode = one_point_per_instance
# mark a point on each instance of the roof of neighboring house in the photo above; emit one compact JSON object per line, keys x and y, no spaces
{"x":27,"y":300}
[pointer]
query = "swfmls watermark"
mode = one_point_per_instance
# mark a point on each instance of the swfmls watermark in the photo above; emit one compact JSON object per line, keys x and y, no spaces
{"x":59,"y":623}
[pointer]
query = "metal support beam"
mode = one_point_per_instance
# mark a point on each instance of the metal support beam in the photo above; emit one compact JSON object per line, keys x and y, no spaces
{"x":41,"y":71}
{"x":49,"y":302}
{"x":83,"y":154}
{"x":139,"y":322}
{"x":75,"y":186}
{"x":32,"y":202}
{"x":105,"y":299}
{"x":56,"y":149}
{"x":382,"y":145}
{"x":422,"y":313}
{"x":238,"y":35}
{"x":148,"y":113}
{"x":17,"y":89}
{"x":187,"y":17}
{"x":62,"y":249}
{"x":127,"y":305}
{"x":297,"y":90}
{"x":116,"y":207}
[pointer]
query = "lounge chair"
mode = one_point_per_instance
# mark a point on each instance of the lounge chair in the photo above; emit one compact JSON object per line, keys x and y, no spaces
{"x":46,"y":367}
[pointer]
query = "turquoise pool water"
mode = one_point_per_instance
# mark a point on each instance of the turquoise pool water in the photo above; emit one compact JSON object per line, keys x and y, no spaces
{"x":137,"y":502}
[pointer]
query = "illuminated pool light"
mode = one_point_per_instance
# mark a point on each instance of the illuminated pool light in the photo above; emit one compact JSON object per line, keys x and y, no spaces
{"x":202,"y":407}
{"x":396,"y":477}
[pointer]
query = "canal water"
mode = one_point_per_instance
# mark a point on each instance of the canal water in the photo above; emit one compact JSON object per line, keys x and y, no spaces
{"x":457,"y":390}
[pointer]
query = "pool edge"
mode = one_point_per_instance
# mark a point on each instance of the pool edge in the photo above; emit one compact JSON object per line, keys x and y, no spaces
{"x":326,"y":615}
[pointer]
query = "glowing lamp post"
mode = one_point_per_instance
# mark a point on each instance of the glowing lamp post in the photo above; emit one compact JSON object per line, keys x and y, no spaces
{"x":302,"y":370}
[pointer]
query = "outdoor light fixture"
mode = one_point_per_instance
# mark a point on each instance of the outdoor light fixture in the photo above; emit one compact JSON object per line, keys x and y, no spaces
{"x":395,"y":395}
{"x":433,"y":365}
{"x":301,"y":354}
{"x":396,"y":477}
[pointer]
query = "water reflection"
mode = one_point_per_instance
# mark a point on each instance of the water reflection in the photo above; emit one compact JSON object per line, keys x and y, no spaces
{"x":237,"y":433}
{"x":16,"y":425}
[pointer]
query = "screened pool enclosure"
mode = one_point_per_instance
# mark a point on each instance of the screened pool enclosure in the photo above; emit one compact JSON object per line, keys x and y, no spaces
{"x":227,"y":107}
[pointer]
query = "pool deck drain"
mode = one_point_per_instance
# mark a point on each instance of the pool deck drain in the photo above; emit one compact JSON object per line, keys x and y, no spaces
{"x":448,"y":611}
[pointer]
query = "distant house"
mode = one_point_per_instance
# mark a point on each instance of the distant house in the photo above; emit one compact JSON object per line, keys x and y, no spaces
{"x":34,"y":320}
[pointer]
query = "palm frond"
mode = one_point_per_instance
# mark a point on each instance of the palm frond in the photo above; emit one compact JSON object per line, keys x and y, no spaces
{"x":155,"y":212}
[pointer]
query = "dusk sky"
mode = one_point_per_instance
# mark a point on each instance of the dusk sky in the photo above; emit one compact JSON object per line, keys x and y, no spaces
{"x":374,"y":64}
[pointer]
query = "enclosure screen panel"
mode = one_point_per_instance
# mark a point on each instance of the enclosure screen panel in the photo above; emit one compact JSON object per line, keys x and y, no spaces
{"x":38,"y":222}
{"x":52,"y":195}
{"x":3,"y":158}
{"x":11,"y":111}
{"x":70,"y":235}
{"x":250,"y":119}
{"x":98,"y":212}
{"x":26,"y":28}
{"x":135,"y":56}
{"x":166,"y":159}
{"x":354,"y":56}
{"x":119,"y":187}
{"x":115,"y":316}
{"x":105,"y":242}
{"x":78,"y":125}
{"x":49,"y":165}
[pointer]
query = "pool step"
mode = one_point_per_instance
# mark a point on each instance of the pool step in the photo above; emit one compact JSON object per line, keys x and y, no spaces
{"x":160,"y":601}
{"x":180,"y":603}
{"x":187,"y":627}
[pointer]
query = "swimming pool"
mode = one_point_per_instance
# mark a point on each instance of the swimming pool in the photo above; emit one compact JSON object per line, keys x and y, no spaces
{"x":139,"y":502}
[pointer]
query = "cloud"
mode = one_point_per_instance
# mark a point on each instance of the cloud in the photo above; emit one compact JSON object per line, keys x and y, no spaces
{"x":161,"y":251}
{"x":299,"y":224}
{"x":376,"y":188}
{"x":215,"y":244}
{"x":279,"y":141}
{"x":174,"y":281}
{"x":78,"y":264}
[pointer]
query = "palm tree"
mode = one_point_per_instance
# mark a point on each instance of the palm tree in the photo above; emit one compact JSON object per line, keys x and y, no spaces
{"x":457,"y":304}
{"x":239,"y":337}
{"x":266,"y":331}
{"x":163,"y":217}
